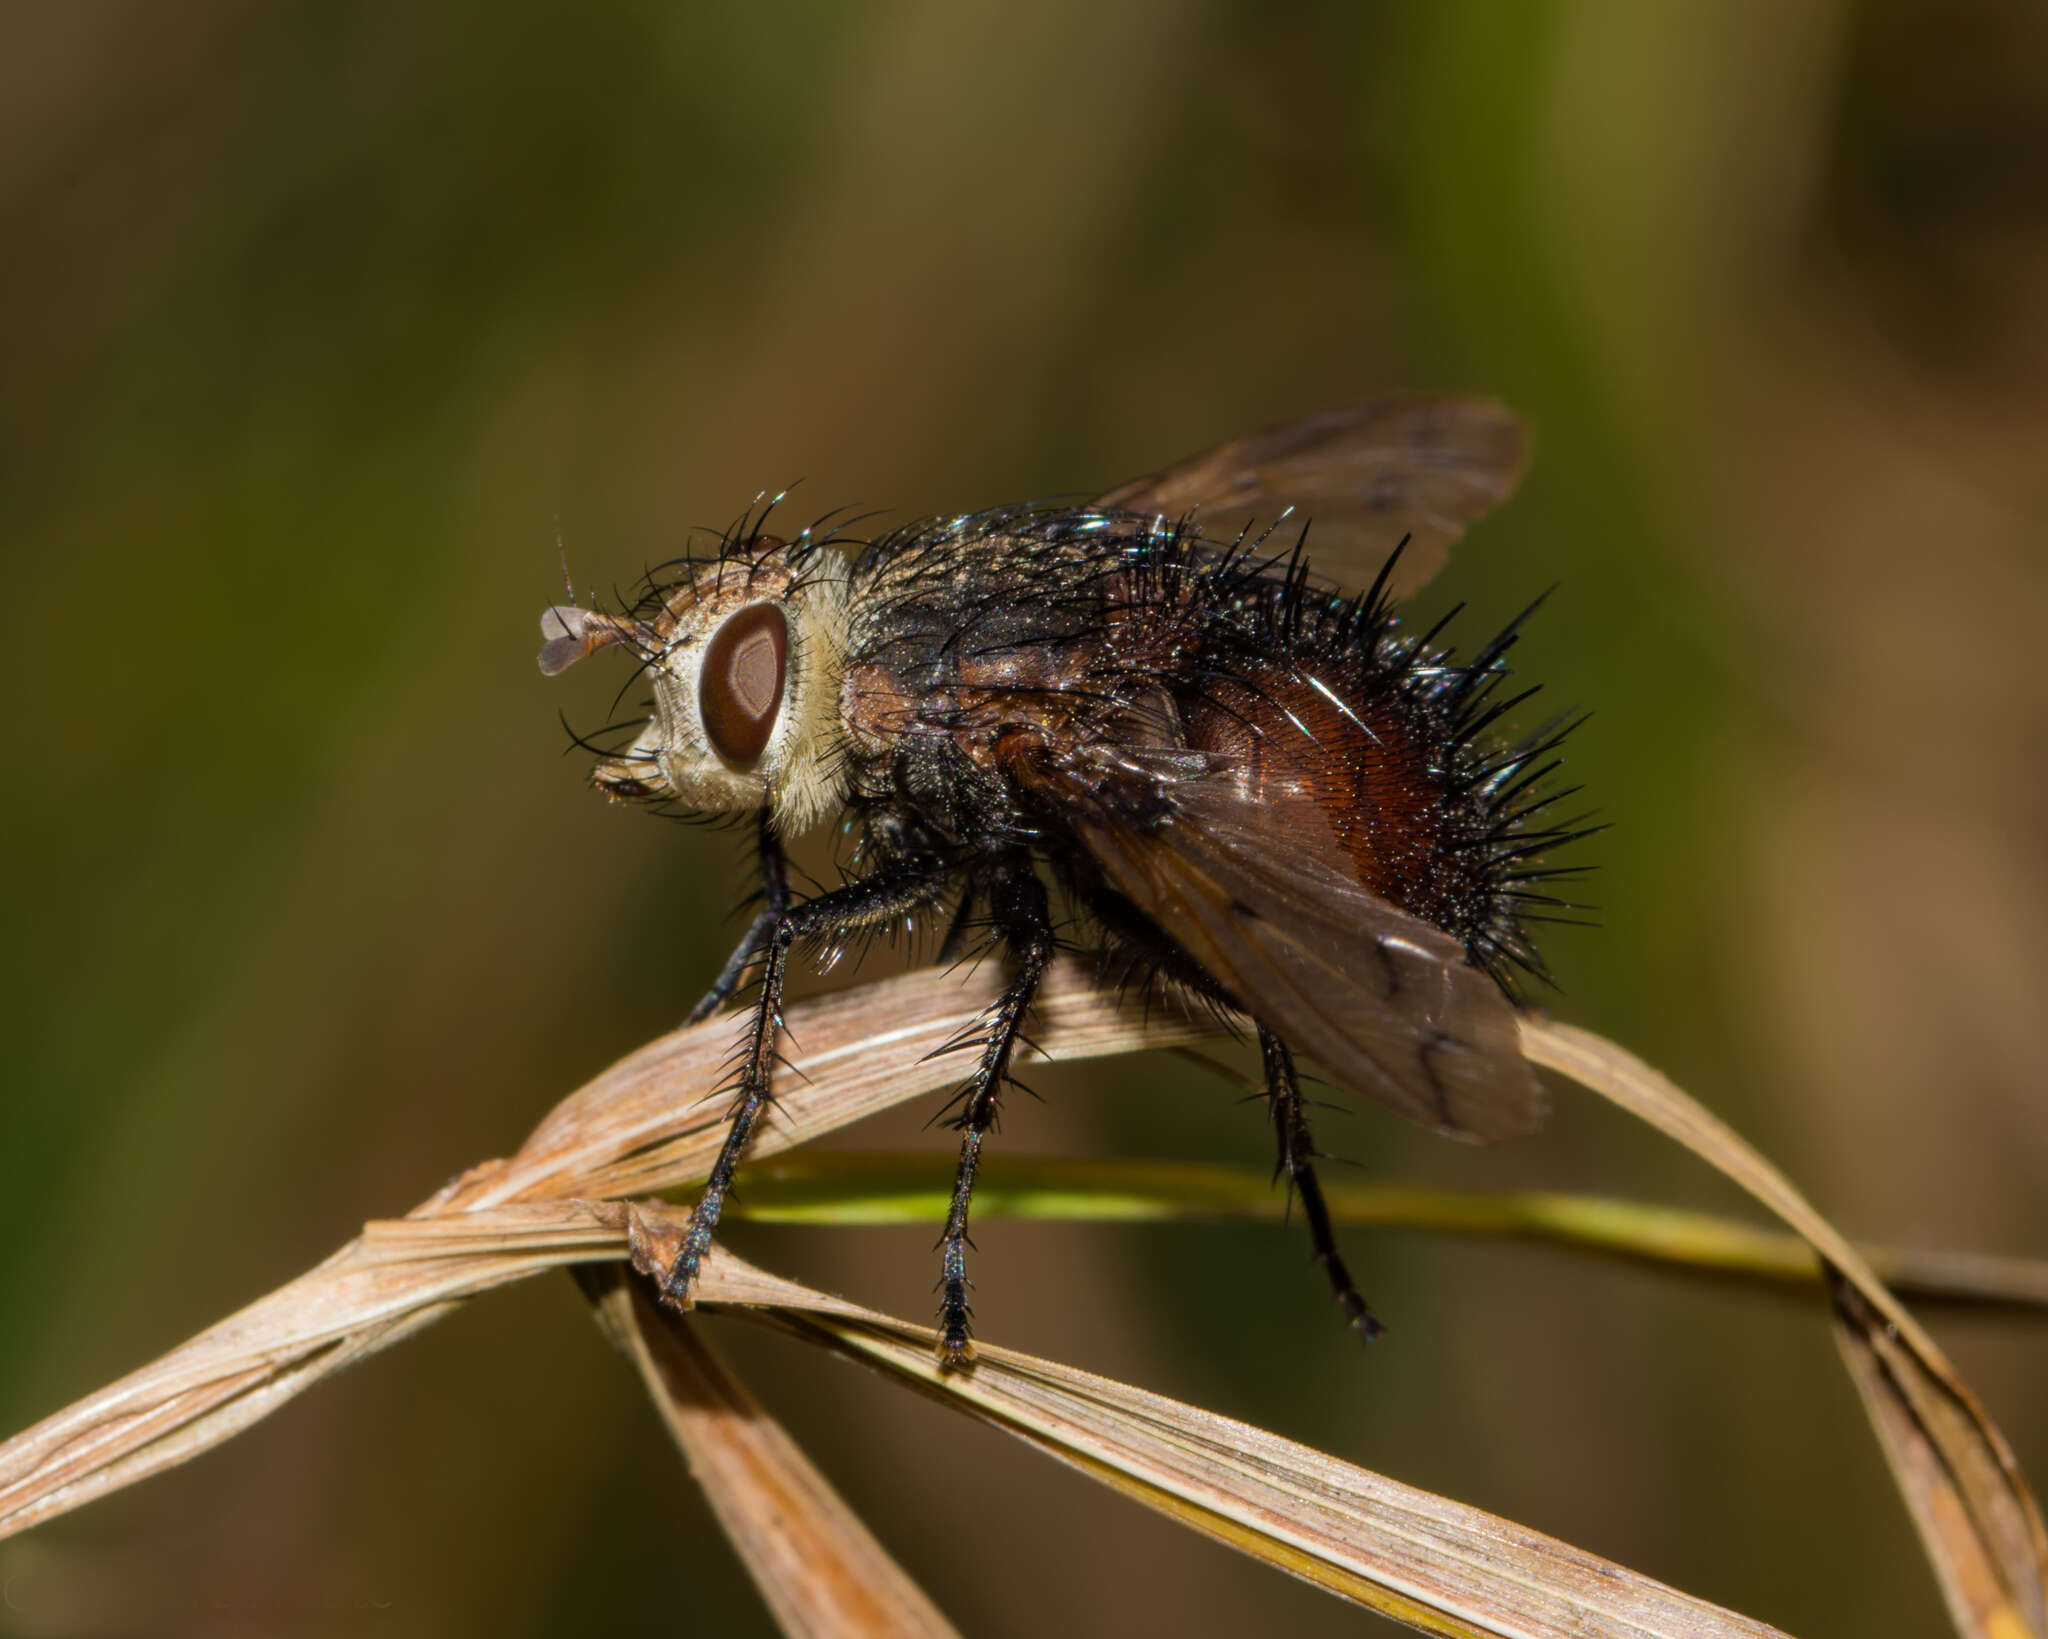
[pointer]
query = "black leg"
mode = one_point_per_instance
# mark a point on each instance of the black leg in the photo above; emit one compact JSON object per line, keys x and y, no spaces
{"x":1297,"y":1161}
{"x":774,"y":903}
{"x":855,"y":908}
{"x":954,"y":945}
{"x":1017,"y":906}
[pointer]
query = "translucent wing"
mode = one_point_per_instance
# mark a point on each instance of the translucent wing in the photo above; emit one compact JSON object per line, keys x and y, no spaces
{"x":1363,"y":478}
{"x":1251,"y":886}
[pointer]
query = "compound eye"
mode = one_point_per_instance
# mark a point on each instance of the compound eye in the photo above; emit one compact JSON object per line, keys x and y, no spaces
{"x":739,"y":690}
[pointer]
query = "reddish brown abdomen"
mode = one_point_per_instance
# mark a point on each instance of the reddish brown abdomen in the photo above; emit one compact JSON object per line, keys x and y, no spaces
{"x":1374,"y":767}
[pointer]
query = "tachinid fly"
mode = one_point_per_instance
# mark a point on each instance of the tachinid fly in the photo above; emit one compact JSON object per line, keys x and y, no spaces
{"x":1244,"y":782}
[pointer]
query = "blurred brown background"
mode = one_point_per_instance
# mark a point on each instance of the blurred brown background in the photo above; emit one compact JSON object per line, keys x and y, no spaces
{"x":321,"y":324}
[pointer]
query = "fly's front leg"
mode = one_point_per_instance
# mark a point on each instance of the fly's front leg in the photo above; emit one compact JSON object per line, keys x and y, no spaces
{"x":1017,"y":907}
{"x":870,"y":903}
{"x":774,"y":904}
{"x":1297,"y":1161}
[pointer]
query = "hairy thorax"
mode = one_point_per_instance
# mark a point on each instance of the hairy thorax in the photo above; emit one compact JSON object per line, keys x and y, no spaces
{"x":960,"y":663}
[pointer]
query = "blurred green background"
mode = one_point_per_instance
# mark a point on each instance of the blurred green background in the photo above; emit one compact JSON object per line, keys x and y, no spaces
{"x":323,"y":324}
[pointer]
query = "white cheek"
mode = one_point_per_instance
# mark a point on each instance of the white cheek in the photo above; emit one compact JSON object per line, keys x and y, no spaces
{"x":712,"y":788}
{"x":806,"y":768}
{"x":699,"y":778}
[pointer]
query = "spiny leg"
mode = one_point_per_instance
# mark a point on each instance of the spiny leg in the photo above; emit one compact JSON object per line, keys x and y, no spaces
{"x":774,"y":904}
{"x":954,"y":945}
{"x":1018,"y":909}
{"x":858,"y":906}
{"x":1297,"y":1161}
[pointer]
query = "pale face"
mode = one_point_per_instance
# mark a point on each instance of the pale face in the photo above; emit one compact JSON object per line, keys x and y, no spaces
{"x":745,"y":659}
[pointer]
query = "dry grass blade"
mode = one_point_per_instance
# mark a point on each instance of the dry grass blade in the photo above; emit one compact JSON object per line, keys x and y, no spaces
{"x":819,"y":1569}
{"x":648,"y":1124}
{"x":1976,"y":1515}
{"x":643,"y":1124}
{"x":1422,"y":1559}
{"x":1919,"y":1423}
{"x":1435,"y":1564}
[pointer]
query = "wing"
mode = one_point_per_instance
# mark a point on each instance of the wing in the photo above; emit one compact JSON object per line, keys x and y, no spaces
{"x":1364,"y":478}
{"x":1250,"y":887}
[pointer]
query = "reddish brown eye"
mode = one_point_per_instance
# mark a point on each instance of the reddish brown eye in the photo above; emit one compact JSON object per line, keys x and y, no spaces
{"x":740,"y":687}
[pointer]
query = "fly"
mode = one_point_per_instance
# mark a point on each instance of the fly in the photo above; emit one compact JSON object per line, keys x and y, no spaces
{"x":1255,"y":787}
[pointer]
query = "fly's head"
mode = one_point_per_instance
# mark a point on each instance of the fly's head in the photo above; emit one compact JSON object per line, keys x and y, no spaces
{"x":745,"y":653}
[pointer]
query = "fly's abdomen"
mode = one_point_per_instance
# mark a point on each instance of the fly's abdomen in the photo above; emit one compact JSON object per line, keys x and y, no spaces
{"x":1377,"y":768}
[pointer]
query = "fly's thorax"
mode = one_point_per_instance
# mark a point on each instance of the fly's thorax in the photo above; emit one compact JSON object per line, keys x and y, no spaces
{"x":744,"y":658}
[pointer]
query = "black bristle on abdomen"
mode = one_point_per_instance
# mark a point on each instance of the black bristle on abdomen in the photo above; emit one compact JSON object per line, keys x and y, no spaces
{"x":1483,"y":797}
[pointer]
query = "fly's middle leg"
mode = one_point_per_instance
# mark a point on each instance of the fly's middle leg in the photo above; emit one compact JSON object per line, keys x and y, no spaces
{"x":1017,"y":906}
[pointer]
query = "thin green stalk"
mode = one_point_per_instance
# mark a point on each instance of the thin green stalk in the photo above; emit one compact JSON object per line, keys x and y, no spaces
{"x":841,"y":1187}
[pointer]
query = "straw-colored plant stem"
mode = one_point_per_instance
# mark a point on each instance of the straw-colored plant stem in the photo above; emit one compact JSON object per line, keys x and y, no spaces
{"x":818,"y":1567}
{"x":644,"y":1127}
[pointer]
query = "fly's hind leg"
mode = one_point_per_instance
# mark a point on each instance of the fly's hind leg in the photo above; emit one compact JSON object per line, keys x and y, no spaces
{"x":872,"y":902}
{"x":1017,"y":907}
{"x":1297,"y":1161}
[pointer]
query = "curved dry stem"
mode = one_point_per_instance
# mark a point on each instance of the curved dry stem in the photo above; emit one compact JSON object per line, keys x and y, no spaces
{"x":818,"y":1568}
{"x":646,"y":1125}
{"x":1976,"y":1515}
{"x":1422,"y":1559}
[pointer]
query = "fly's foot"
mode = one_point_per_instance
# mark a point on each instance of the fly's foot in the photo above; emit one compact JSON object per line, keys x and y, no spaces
{"x":956,"y":1340}
{"x":677,"y":1282}
{"x":669,"y":1260}
{"x":956,"y":1350}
